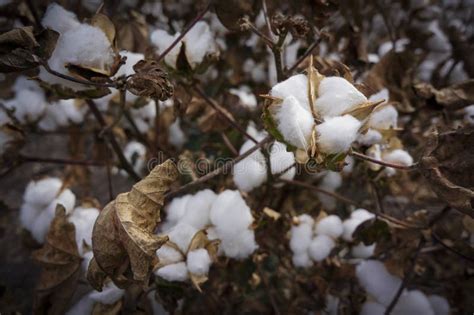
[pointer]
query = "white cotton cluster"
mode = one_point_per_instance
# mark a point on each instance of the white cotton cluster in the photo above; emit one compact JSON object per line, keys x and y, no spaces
{"x":135,"y":153}
{"x":382,"y":287}
{"x":469,"y":114}
{"x":61,"y":114}
{"x":198,"y":44}
{"x":295,"y":121}
{"x":109,"y":295}
{"x":79,"y":44}
{"x":83,"y":219}
{"x":246,"y":97}
{"x":39,"y":205}
{"x":397,"y":156}
{"x":176,"y":135}
{"x":29,"y":102}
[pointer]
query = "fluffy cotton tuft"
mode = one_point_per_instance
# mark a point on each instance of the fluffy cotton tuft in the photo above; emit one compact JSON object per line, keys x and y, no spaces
{"x":239,"y":245}
{"x":369,"y":138}
{"x":176,"y":135}
{"x":294,"y":122}
{"x":173,"y":272}
{"x":229,"y":212}
{"x":135,"y":153}
{"x":61,"y":114}
{"x":168,"y":255}
{"x":280,"y":160}
{"x":320,"y":247}
{"x":295,"y":86}
{"x":330,"y":226}
{"x":198,"y":261}
{"x":351,"y":224}
{"x":27,"y":105}
{"x":246,"y":97}
{"x":398,"y":156}
{"x":109,"y":295}
{"x":59,"y":19}
{"x":198,"y":208}
{"x":181,"y":235}
{"x":336,"y":95}
{"x":439,"y":304}
{"x":83,"y":220}
{"x":301,"y":234}
{"x":337,"y":134}
{"x":302,"y":260}
{"x":249,"y":174}
{"x":362,"y":251}
{"x":384,"y":118}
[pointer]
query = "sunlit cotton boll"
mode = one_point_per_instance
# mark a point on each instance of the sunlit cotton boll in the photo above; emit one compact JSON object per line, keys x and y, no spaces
{"x":181,"y":235}
{"x":384,"y":118}
{"x":27,"y":105}
{"x":281,"y":160}
{"x":249,"y":174}
{"x":295,"y":86}
{"x":238,"y":245}
{"x":337,"y":134}
{"x":320,"y":247}
{"x":168,"y":255}
{"x":198,"y":208}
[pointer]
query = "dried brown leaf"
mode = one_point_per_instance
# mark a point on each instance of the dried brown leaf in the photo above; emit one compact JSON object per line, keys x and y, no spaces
{"x":452,"y":97}
{"x":150,"y":80}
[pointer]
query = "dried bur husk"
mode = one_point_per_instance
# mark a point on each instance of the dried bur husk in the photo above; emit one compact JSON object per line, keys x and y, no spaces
{"x":150,"y":80}
{"x":198,"y":241}
{"x":123,"y":238}
{"x":447,"y":165}
{"x":61,"y":264}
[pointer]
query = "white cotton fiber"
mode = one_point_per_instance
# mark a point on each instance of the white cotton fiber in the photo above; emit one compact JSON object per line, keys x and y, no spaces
{"x":83,"y":306}
{"x":336,"y":95}
{"x":173,"y":272}
{"x":28,"y":215}
{"x":330,"y":226}
{"x":349,"y":226}
{"x":281,"y":159}
{"x":362,"y":251}
{"x":384,"y":118}
{"x":66,"y":198}
{"x":320,"y":247}
{"x":294,"y":122}
{"x":362,"y":215}
{"x":302,"y":260}
{"x":383,"y":94}
{"x":162,"y":40}
{"x":439,"y":304}
{"x":369,"y":138}
{"x":86,"y":259}
{"x":198,"y":261}
{"x":398,"y":156}
{"x":27,"y":105}
{"x":301,"y":234}
{"x":42,"y":192}
{"x":198,"y":208}
{"x":109,"y":295}
{"x":229,"y":212}
{"x":372,"y":308}
{"x":331,"y":180}
{"x":337,"y":134}
{"x":182,"y":234}
{"x":135,"y":153}
{"x":246,"y":97}
{"x":469,"y":114}
{"x":176,"y":209}
{"x":199,"y":42}
{"x":413,"y":303}
{"x":40,"y":226}
{"x":249,"y":174}
{"x":83,"y":220}
{"x":59,"y":19}
{"x":168,"y":255}
{"x":238,"y":245}
{"x":176,"y":135}
{"x":61,"y":114}
{"x":377,"y":281}
{"x":295,"y":86}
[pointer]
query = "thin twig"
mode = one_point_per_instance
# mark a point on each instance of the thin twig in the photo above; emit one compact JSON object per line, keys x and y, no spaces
{"x":268,"y":41}
{"x":157,"y":125}
{"x":109,"y":171}
{"x":223,"y":169}
{"x":407,"y":277}
{"x":35,"y":159}
{"x":186,"y":30}
{"x":323,"y":191}
{"x":267,"y":19}
{"x":304,"y":56}
{"x":229,"y":144}
{"x":361,"y":156}
{"x":449,"y":248}
{"x":113,"y":141}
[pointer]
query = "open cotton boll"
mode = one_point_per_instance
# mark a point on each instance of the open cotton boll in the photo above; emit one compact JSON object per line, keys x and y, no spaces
{"x":246,"y":97}
{"x":301,"y":234}
{"x":249,"y":144}
{"x":198,"y":208}
{"x":413,"y":303}
{"x":230,"y":213}
{"x":384,"y":118}
{"x":362,"y":215}
{"x":377,"y":281}
{"x":40,"y":226}
{"x":83,"y":220}
{"x":109,"y":294}
{"x":198,"y":261}
{"x":337,"y":134}
{"x":176,"y":209}
{"x":27,"y":105}
{"x":469,"y":114}
{"x":295,"y":86}
{"x":372,"y":308}
{"x":61,"y":114}
{"x":383,"y":94}
{"x":302,"y":260}
{"x":176,"y":135}
{"x":135,"y":153}
{"x":398,"y":156}
{"x":59,"y":19}
{"x":362,"y":251}
{"x":28,"y":215}
{"x":162,"y":40}
{"x":336,"y":95}
{"x":281,"y":160}
{"x":369,"y":138}
{"x":199,"y":42}
{"x":66,"y":198}
{"x":237,"y":245}
{"x":330,"y":182}
{"x":173,"y":272}
{"x":439,"y":304}
{"x":168,"y":255}
{"x":182,"y":234}
{"x":294,"y":122}
{"x":320,"y":247}
{"x":349,"y":227}
{"x":330,"y":226}
{"x":42,"y":192}
{"x":249,"y":174}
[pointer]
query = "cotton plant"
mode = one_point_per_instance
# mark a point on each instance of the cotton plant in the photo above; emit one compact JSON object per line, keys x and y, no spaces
{"x":313,"y":240}
{"x":381,"y":287}
{"x":201,"y":227}
{"x":79,"y":44}
{"x":198,"y":46}
{"x":39,"y":204}
{"x":320,"y":117}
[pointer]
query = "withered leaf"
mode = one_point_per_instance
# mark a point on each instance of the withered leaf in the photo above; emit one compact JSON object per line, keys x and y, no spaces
{"x":19,"y":37}
{"x":123,"y":238}
{"x":61,"y":264}
{"x":107,"y":309}
{"x":101,"y":21}
{"x":64,"y":92}
{"x":447,"y":165}
{"x":452,"y":97}
{"x":150,"y":80}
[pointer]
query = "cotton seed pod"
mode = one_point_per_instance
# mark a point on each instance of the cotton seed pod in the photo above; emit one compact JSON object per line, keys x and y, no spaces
{"x":150,"y":80}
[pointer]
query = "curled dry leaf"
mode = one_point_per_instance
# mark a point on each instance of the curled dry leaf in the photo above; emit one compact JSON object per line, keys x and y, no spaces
{"x":453,"y":97}
{"x":447,"y":164}
{"x":123,"y":239}
{"x":61,"y":264}
{"x":150,"y":80}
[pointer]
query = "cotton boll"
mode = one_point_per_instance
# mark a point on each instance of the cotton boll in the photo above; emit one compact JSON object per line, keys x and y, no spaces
{"x":280,"y":160}
{"x":28,"y":215}
{"x":176,"y":135}
{"x":369,"y":138}
{"x":168,"y":255}
{"x":301,"y":234}
{"x":162,"y":40}
{"x":182,"y":234}
{"x":59,"y":19}
{"x":398,"y":156}
{"x":61,"y":114}
{"x":246,"y":97}
{"x":295,"y":86}
{"x":41,"y":226}
{"x":294,"y":122}
{"x":362,"y":215}
{"x":27,"y":106}
{"x":439,"y":304}
{"x":109,"y":295}
{"x":230,"y":213}
{"x":249,"y":174}
{"x":337,"y":134}
{"x":377,"y":281}
{"x":24,"y":83}
{"x":132,"y":59}
{"x":83,"y":220}
{"x":176,"y":209}
{"x":249,"y":144}
{"x":469,"y":114}
{"x":135,"y":153}
{"x":383,"y":94}
{"x":330,"y":226}
{"x":237,"y":245}
{"x":302,"y":260}
{"x":331,"y":180}
{"x":350,"y":225}
{"x":372,"y":308}
{"x":336,"y":95}
{"x":384,"y":118}
{"x":66,"y":198}
{"x":199,"y":42}
{"x":198,"y":208}
{"x":42,"y":192}
{"x":413,"y":303}
{"x":198,"y":261}
{"x":173,"y":272}
{"x":320,"y":247}
{"x":362,"y":251}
